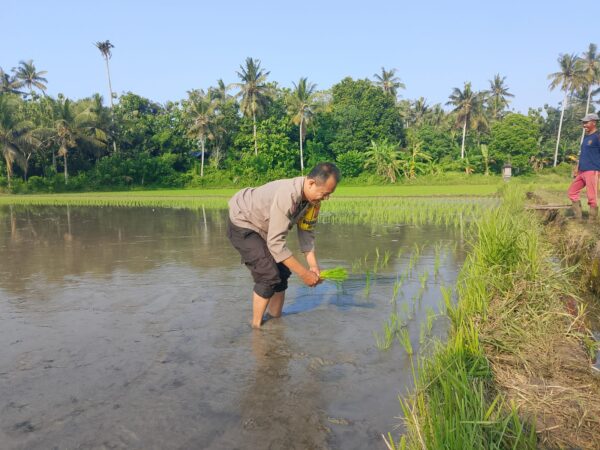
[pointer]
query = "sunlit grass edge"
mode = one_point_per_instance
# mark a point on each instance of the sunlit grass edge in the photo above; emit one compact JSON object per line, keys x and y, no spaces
{"x":456,"y":404}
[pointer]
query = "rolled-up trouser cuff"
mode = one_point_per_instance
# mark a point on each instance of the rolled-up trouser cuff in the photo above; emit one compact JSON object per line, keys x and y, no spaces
{"x":266,"y":289}
{"x":269,"y":276}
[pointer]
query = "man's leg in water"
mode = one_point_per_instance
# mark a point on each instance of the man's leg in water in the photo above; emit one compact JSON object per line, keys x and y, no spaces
{"x":276,"y":304}
{"x":259,"y":306}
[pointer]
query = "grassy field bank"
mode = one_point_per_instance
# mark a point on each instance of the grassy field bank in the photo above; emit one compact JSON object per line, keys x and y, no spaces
{"x":514,"y":372}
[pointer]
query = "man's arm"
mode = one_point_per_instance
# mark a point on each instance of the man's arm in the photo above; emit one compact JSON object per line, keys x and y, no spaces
{"x":309,"y":277}
{"x":311,"y":259}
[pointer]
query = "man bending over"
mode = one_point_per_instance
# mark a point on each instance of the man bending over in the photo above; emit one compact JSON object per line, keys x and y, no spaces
{"x":259,"y":221}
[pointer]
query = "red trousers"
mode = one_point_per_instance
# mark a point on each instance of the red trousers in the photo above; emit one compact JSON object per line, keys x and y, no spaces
{"x":589,"y":180}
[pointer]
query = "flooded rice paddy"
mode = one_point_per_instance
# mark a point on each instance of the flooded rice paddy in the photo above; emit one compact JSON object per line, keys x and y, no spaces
{"x":129,"y":329}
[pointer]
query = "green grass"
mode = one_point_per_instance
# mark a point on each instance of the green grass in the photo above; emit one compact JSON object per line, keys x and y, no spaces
{"x":455,"y":404}
{"x":416,"y":191}
{"x":163,"y":195}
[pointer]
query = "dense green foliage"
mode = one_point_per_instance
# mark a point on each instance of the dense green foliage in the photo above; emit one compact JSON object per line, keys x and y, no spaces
{"x":515,"y":140}
{"x":264,"y":131}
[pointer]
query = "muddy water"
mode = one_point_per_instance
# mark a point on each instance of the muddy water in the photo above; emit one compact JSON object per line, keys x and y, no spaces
{"x":128,"y":328}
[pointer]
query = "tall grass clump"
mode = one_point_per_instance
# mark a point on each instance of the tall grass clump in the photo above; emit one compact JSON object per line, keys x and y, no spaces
{"x":456,"y":403}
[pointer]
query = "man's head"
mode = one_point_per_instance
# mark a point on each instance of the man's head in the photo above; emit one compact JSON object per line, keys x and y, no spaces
{"x":590,"y":122}
{"x":321,"y":182}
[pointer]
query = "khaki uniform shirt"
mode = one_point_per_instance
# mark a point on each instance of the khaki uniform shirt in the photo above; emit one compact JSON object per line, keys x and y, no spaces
{"x":272,"y":210}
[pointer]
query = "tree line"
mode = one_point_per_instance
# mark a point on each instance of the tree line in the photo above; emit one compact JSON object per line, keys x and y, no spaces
{"x":255,"y":130}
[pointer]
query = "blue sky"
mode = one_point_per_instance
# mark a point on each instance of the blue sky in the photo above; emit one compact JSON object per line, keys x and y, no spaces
{"x":165,"y":48}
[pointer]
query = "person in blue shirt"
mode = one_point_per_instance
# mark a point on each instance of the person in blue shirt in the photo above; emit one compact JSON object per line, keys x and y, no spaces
{"x":587,"y":170}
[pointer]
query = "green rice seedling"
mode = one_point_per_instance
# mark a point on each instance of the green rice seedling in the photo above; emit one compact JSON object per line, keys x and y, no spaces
{"x":386,"y":258}
{"x":423,"y":279}
{"x":411,"y":265}
{"x":407,"y":312}
{"x":385,"y":341}
{"x":401,"y":251}
{"x":367,"y":282}
{"x":417,"y":251}
{"x":404,"y":339}
{"x":447,"y":296}
{"x":396,"y":289}
{"x":430,"y":316}
{"x":380,"y":342}
{"x":422,"y":334}
{"x":393,"y":321}
{"x":356,"y":266}
{"x":337,"y":274}
{"x":376,"y":263}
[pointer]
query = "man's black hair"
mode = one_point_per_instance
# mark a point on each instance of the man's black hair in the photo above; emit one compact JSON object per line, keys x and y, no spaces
{"x":322,"y":171}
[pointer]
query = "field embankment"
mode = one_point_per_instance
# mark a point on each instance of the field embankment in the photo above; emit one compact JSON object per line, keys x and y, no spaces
{"x":515,"y":371}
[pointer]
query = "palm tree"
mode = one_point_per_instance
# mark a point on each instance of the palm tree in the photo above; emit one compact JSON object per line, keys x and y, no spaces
{"x":498,"y":94}
{"x":465,"y":103}
{"x":435,"y":115}
{"x":385,"y":158}
{"x":220,"y":91}
{"x":254,"y":92}
{"x":389,"y":82}
{"x":9,"y":84}
{"x":589,"y":68}
{"x":567,"y":79}
{"x":201,"y":108}
{"x":301,"y":106}
{"x":221,"y":131}
{"x":74,"y":126}
{"x":105,"y":49}
{"x":419,"y":110}
{"x":15,"y":134}
{"x":30,"y":77}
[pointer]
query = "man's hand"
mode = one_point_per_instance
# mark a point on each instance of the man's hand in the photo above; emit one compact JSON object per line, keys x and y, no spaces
{"x":310,"y":278}
{"x":317,"y":271}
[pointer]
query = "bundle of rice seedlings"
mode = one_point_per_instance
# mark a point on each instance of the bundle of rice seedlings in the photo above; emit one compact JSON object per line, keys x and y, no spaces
{"x":337,"y":274}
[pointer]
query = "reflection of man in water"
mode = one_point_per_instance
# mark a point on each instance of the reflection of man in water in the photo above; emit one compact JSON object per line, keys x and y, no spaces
{"x":259,"y":221}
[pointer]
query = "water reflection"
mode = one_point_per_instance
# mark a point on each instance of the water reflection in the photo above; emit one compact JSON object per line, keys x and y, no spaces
{"x":59,"y":241}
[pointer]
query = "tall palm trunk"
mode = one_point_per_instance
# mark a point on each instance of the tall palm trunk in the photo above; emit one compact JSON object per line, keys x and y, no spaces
{"x":301,"y":149}
{"x":587,"y":109}
{"x":66,"y":170}
{"x":202,"y":139}
{"x":110,"y":91}
{"x":562,"y":114}
{"x":462,"y":147}
{"x":26,"y":167}
{"x":254,"y":133}
{"x":9,"y":169}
